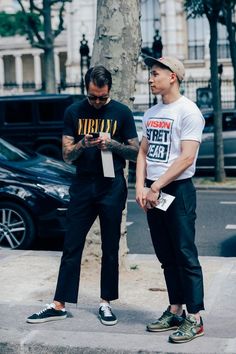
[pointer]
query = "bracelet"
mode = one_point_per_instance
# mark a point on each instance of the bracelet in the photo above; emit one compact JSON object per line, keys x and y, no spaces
{"x":83,"y":143}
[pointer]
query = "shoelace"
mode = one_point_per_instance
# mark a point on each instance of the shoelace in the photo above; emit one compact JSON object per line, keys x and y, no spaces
{"x":186,"y":325}
{"x":164,"y":317}
{"x":48,"y":306}
{"x":107,"y":310}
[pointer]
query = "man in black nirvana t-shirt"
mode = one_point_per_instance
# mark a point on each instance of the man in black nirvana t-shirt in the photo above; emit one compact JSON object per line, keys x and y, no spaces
{"x":91,"y":193}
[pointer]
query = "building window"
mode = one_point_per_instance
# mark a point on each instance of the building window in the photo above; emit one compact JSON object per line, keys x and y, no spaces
{"x":198,"y":31}
{"x":223,"y":50}
{"x":150,"y":21}
{"x":196,"y":34}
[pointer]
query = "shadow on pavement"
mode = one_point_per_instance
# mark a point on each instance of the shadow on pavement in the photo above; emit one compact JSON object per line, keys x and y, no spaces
{"x":48,"y":244}
{"x":228,"y":247}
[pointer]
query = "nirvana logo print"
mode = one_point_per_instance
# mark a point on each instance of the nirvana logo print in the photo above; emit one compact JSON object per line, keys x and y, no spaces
{"x":92,"y":125}
{"x":159,"y":137}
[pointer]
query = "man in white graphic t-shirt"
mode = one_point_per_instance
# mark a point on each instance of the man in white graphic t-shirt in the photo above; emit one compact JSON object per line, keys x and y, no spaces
{"x":172,"y":131}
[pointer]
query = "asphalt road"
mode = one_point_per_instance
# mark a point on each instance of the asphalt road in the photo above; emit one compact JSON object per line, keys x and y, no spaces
{"x":215,"y":225}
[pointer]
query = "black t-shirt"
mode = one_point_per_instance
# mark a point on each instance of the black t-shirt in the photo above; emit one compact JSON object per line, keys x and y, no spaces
{"x":114,"y":118}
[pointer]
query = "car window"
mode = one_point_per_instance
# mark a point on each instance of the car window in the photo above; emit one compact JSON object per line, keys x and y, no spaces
{"x":209,"y":123}
{"x":53,"y":110}
{"x":18,"y":112}
{"x":9,"y":152}
{"x":229,"y":121}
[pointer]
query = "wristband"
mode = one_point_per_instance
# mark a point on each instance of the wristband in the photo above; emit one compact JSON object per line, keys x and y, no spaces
{"x":83,"y":143}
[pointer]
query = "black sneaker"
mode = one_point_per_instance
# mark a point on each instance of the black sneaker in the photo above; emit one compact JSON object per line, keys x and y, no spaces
{"x":106,"y":315}
{"x":166,"y":322}
{"x":47,"y":314}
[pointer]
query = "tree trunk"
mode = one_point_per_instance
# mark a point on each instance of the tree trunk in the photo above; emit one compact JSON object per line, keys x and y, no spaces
{"x":49,"y":65}
{"x":117,"y":46}
{"x":232,"y":44}
{"x":50,"y":83}
{"x":215,"y":84}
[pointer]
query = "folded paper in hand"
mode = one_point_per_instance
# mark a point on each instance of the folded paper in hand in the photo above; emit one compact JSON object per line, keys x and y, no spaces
{"x":107,"y":160}
{"x":164,"y":201}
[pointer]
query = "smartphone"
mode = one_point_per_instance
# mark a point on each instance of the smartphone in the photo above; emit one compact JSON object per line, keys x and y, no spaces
{"x":95,"y":135}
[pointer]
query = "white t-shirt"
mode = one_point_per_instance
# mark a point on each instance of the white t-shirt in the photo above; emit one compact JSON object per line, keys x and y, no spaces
{"x":165,"y":126}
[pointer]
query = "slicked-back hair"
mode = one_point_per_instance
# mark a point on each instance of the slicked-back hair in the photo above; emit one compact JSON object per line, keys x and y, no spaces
{"x":99,"y":76}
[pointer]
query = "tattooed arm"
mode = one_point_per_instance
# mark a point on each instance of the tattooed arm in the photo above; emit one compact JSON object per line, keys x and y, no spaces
{"x":128,"y":152}
{"x":70,"y":150}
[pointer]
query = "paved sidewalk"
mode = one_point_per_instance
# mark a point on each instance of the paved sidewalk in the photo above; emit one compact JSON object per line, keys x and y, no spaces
{"x":28,"y":280}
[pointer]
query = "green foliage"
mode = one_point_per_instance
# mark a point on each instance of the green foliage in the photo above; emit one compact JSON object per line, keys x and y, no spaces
{"x":13,"y":24}
{"x":194,"y":8}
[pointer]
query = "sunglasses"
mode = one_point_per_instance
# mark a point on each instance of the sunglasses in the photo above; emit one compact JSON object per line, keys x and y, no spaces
{"x":100,"y":98}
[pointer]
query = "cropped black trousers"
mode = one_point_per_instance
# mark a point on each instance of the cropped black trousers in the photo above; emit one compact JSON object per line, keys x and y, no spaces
{"x":173,"y":238}
{"x":92,"y":196}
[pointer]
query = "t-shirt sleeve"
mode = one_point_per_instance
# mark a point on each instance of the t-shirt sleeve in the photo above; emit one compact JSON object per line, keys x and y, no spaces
{"x":192,"y":127}
{"x":68,"y":127}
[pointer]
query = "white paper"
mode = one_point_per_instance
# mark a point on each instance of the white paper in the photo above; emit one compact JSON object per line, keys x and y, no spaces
{"x":164,"y":201}
{"x":107,"y":160}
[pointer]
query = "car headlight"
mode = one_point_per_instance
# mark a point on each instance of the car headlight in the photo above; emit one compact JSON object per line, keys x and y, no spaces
{"x":57,"y":191}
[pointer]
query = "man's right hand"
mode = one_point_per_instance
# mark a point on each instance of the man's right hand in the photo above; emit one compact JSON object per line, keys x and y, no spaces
{"x":141,"y":194}
{"x":89,"y":141}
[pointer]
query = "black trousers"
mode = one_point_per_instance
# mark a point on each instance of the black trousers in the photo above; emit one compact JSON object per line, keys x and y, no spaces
{"x":92,"y":196}
{"x":173,"y":237}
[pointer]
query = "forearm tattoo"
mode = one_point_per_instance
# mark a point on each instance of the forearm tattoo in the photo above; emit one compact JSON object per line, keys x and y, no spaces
{"x":128,"y":152}
{"x":70,"y":150}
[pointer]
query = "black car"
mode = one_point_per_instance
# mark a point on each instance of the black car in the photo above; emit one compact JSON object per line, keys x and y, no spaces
{"x":35,"y":121}
{"x":34,"y":196}
{"x":206,"y":158}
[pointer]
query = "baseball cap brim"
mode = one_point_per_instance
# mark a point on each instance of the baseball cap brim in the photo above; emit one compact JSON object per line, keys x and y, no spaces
{"x":149,"y":61}
{"x":171,"y":63}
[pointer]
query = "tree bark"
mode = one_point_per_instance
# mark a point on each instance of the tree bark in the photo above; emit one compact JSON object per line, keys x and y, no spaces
{"x":49,"y":65}
{"x":215,"y":85}
{"x":232,"y":45}
{"x":117,"y":46}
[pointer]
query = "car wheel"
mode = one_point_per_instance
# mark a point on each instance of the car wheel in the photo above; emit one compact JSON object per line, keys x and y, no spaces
{"x":17,"y":229}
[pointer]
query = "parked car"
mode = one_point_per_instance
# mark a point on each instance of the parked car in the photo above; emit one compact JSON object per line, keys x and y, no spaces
{"x":138,"y":119}
{"x":35,"y":121}
{"x":206,"y":160}
{"x":33,"y":196}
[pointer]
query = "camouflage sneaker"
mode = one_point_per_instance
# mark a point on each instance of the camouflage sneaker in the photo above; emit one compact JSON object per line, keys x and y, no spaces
{"x":188,"y":330}
{"x":166,"y":322}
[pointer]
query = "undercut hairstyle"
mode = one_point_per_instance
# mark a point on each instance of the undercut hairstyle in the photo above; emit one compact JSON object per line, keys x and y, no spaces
{"x":99,"y":76}
{"x":162,"y":66}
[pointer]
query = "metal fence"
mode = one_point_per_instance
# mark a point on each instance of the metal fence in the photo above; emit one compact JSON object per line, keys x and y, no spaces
{"x":188,"y":88}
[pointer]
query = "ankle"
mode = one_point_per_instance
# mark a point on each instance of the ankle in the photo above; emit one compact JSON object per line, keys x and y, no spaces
{"x":59,"y":305}
{"x":104,"y":302}
{"x":176,"y":309}
{"x":197,"y":316}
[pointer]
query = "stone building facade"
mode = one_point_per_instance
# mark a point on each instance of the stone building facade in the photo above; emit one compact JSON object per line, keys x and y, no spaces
{"x":21,"y":66}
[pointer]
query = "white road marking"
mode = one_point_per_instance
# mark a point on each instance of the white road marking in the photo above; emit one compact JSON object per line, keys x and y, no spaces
{"x":128,"y":223}
{"x":230,"y":203}
{"x":230,"y":227}
{"x":131,"y":200}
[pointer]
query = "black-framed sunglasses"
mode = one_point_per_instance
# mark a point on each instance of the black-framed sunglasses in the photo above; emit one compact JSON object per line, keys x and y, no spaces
{"x":95,"y":98}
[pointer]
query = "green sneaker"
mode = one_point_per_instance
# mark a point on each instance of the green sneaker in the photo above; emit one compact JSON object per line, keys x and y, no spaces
{"x":188,"y":330}
{"x":166,"y":322}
